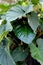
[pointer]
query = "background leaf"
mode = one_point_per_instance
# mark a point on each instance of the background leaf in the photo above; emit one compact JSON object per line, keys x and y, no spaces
{"x":5,"y":58}
{"x":35,"y":1}
{"x":37,"y":53}
{"x":19,"y":55}
{"x":33,"y":21}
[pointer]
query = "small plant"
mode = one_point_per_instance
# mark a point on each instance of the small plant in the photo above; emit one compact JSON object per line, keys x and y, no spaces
{"x":21,"y":32}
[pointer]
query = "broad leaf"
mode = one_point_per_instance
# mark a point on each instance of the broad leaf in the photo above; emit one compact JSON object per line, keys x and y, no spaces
{"x":19,"y":55}
{"x":24,"y":33}
{"x":37,"y":53}
{"x":5,"y":58}
{"x":17,"y":11}
{"x":33,"y":21}
{"x":14,"y":13}
{"x":28,"y":8}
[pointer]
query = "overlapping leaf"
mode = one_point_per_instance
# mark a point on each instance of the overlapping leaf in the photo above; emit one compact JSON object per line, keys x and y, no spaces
{"x":24,"y":33}
{"x":37,"y":53}
{"x":33,"y":21}
{"x":5,"y":58}
{"x":19,"y":55}
{"x":18,"y":11}
{"x":4,"y":29}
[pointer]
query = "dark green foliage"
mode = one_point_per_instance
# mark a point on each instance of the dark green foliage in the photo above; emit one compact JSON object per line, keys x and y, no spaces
{"x":21,"y":33}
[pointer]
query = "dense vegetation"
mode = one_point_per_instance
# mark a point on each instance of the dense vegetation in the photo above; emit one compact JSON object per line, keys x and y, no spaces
{"x":21,"y":33}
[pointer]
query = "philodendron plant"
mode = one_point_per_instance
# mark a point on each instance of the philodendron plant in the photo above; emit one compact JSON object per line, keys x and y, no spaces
{"x":21,"y":33}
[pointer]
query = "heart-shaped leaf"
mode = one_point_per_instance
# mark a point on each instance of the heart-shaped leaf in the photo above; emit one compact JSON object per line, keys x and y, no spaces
{"x":24,"y":33}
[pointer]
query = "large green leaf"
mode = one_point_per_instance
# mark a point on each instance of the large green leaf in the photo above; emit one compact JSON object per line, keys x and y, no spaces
{"x":5,"y":58}
{"x":33,"y":21}
{"x":24,"y":33}
{"x":14,"y":13}
{"x":37,"y":53}
{"x":17,"y":11}
{"x":19,"y":55}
